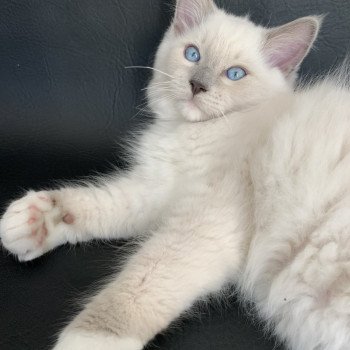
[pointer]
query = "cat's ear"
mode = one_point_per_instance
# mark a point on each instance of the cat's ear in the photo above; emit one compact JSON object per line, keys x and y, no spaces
{"x":190,"y":13}
{"x":286,"y":46}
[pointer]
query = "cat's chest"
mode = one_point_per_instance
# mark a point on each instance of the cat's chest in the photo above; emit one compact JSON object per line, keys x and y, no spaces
{"x":207,"y":151}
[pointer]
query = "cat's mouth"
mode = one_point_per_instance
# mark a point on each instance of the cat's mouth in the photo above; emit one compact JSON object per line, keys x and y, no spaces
{"x":193,"y":105}
{"x":192,"y":110}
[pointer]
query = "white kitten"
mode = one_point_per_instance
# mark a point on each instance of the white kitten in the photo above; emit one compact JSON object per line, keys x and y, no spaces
{"x":239,"y":180}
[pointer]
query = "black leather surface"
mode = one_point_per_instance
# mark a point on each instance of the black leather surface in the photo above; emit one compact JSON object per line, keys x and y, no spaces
{"x":65,"y":100}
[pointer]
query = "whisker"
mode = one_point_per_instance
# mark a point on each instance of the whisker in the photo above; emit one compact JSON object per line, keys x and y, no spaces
{"x":147,"y":107}
{"x":155,"y":93}
{"x":155,"y":69}
{"x":172,"y":97}
{"x":152,"y":93}
{"x":148,"y":104}
{"x":163,"y":83}
{"x":226,"y":119}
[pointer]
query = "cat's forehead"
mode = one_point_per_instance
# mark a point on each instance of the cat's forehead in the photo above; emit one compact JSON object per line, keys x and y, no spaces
{"x":227,"y":35}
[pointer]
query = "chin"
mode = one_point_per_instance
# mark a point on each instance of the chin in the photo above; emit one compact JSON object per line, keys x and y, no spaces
{"x":192,"y":113}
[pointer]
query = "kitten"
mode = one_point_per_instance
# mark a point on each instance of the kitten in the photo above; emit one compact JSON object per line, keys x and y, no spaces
{"x":240,"y":180}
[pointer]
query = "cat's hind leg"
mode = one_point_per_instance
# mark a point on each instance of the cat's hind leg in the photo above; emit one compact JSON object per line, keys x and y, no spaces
{"x":308,"y":300}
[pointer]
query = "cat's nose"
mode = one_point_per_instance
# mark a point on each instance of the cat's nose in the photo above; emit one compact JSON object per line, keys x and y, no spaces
{"x":197,"y":87}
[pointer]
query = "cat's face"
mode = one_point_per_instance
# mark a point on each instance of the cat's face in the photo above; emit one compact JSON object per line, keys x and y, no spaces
{"x":214,"y":64}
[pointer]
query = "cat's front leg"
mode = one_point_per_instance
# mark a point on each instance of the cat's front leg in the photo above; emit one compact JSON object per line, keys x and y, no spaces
{"x":102,"y":341}
{"x":180,"y":264}
{"x":117,"y":208}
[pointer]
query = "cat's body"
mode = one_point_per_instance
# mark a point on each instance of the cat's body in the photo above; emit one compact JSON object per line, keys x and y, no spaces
{"x":241,"y":182}
{"x":298,"y":267}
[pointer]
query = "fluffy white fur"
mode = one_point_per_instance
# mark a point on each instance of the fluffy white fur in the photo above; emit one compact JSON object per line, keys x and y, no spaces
{"x":298,"y":266}
{"x":78,"y":340}
{"x":247,"y":183}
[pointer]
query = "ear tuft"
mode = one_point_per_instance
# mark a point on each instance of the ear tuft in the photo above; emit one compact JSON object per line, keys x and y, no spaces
{"x":286,"y":46}
{"x":190,"y":13}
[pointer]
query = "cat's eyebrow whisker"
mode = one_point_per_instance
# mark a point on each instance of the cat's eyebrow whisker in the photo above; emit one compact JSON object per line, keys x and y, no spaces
{"x":155,"y":69}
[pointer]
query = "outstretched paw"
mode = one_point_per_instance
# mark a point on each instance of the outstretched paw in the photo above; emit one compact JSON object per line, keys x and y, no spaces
{"x":28,"y":228}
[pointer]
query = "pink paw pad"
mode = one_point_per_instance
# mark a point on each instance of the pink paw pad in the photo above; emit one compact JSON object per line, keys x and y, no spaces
{"x":34,"y":207}
{"x":40,"y":234}
{"x":31,"y":220}
{"x":34,"y":210}
{"x":68,"y":219}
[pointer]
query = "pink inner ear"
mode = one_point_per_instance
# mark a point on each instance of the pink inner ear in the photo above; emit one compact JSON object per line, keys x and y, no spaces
{"x":184,"y":19}
{"x":190,"y":13}
{"x":287,"y":45}
{"x":288,"y":57}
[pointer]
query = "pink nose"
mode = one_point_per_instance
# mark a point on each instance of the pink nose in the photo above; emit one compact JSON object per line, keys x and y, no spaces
{"x":197,"y":87}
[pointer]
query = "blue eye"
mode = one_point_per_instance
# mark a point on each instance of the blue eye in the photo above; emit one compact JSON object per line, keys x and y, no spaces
{"x":236,"y":73}
{"x":192,"y":54}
